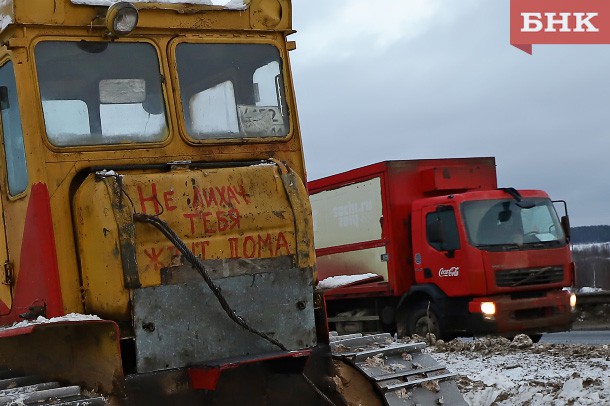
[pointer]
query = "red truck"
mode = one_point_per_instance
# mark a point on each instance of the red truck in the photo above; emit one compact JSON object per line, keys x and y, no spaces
{"x":435,"y":246}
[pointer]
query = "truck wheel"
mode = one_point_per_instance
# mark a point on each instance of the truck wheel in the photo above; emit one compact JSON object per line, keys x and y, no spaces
{"x":423,"y":321}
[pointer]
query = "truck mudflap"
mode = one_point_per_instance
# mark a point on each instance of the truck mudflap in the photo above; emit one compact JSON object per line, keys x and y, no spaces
{"x":399,"y":373}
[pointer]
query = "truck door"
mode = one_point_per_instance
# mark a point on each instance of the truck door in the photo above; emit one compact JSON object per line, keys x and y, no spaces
{"x":438,"y":249}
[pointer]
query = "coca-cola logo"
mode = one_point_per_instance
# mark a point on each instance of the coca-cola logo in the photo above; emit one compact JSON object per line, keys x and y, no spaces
{"x":453,"y":271}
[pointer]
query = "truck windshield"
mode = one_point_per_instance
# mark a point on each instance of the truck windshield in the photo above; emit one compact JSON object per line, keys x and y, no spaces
{"x":232,"y":90}
{"x":96,"y":93}
{"x":511,"y":224}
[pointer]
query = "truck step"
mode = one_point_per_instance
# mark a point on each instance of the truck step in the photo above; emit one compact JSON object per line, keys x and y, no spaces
{"x":400,"y":372}
{"x":16,"y":389}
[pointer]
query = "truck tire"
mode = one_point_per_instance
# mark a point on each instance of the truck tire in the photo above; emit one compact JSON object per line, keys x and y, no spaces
{"x":423,"y":319}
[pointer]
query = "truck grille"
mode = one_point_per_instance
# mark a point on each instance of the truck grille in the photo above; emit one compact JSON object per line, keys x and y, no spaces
{"x":531,"y":276}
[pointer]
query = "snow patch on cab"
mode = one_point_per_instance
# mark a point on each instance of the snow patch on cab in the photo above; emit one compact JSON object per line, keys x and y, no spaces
{"x":231,"y":4}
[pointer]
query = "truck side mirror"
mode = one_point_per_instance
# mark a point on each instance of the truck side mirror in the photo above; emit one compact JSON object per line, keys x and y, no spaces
{"x":565,"y":219}
{"x":565,"y":225}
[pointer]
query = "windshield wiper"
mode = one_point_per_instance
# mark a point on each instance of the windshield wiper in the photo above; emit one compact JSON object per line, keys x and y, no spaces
{"x":509,"y":246}
{"x":542,"y":244}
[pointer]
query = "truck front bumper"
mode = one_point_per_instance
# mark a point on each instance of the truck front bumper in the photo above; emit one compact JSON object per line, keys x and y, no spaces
{"x":551,"y":312}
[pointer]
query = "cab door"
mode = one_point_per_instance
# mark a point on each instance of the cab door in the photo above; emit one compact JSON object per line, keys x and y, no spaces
{"x":13,"y":172}
{"x":438,"y":249}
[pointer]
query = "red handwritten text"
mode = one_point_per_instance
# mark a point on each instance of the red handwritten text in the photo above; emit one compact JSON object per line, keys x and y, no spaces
{"x":154,"y":200}
{"x":251,"y":246}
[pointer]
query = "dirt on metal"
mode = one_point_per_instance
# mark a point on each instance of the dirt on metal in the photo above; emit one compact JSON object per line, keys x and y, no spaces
{"x":355,"y":389}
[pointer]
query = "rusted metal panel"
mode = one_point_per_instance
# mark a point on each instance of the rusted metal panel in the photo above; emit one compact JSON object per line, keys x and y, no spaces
{"x":222,"y":268}
{"x":99,"y":251}
{"x":178,"y":325}
{"x":299,"y":200}
{"x":123,"y":214}
{"x":237,"y":217}
{"x":232,"y":213}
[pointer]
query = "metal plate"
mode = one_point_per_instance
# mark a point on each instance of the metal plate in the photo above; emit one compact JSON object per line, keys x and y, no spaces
{"x":183,"y":324}
{"x":401,"y":371}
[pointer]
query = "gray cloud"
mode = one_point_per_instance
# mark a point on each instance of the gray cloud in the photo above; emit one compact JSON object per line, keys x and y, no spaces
{"x":457,"y":88}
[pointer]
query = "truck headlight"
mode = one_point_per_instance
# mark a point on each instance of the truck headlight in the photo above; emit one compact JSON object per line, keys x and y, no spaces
{"x":573,"y":301}
{"x":488,"y":308}
{"x":121,"y":18}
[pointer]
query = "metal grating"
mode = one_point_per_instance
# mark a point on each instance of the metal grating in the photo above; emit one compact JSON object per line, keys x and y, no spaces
{"x":17,"y":389}
{"x":530,"y":276}
{"x":402,"y":372}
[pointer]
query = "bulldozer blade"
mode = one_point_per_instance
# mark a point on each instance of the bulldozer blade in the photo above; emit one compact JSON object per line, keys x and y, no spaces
{"x":84,"y":352}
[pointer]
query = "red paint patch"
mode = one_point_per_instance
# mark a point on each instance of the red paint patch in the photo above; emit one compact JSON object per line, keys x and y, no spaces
{"x":38,"y":274}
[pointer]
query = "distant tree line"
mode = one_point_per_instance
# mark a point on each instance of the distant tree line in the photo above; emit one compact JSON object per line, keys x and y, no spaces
{"x":592,"y":262}
{"x":590,"y":234}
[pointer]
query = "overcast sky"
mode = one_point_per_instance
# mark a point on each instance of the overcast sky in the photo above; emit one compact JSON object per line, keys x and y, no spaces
{"x":407,"y":79}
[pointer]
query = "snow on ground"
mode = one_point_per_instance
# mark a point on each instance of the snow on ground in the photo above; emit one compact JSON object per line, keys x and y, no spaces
{"x":588,"y":246}
{"x":496,"y":371}
{"x":588,"y":289}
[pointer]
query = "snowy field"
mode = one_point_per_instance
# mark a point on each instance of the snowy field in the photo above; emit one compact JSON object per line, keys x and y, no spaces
{"x":496,"y":371}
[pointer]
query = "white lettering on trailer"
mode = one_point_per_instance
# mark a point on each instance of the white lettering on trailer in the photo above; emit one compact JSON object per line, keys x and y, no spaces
{"x":348,"y":214}
{"x":453,"y":272}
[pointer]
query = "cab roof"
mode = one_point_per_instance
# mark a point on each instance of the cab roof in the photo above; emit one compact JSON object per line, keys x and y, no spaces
{"x":265,"y":15}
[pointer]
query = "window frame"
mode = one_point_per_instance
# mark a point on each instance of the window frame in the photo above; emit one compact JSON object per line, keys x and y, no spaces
{"x":166,"y":96}
{"x":7,"y":177}
{"x":476,"y":240}
{"x":288,"y":91}
{"x":445,"y":226}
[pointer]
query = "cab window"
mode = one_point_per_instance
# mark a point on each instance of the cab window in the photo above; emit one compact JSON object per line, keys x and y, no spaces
{"x":441,"y":229}
{"x":232,"y":91}
{"x":98,"y":93}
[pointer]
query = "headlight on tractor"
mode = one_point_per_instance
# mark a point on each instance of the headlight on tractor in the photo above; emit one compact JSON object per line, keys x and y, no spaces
{"x":121,"y":18}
